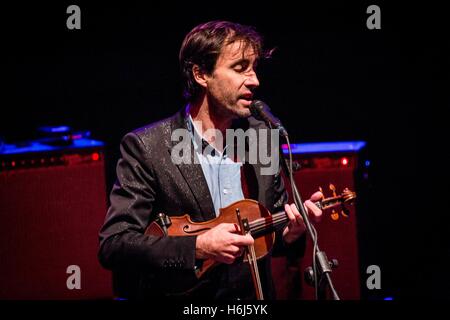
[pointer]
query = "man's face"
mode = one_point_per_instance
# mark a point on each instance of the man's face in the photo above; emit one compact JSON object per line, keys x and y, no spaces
{"x":229,"y":87}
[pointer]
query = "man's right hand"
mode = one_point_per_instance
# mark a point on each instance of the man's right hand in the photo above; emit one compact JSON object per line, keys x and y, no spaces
{"x":222,"y":243}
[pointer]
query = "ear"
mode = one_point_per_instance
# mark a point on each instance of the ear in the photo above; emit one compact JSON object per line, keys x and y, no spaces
{"x":199,"y":76}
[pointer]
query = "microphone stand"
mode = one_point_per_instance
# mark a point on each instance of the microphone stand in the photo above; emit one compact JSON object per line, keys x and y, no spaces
{"x":321,"y":271}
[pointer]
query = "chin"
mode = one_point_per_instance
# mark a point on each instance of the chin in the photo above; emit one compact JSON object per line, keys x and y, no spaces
{"x":242,"y":112}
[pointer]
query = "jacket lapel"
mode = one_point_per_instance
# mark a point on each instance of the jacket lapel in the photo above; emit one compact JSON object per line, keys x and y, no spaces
{"x":192,"y":172}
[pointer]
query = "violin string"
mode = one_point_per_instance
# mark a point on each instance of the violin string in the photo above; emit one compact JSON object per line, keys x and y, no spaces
{"x":266,"y":221}
{"x":275,"y":219}
{"x":257,"y":226}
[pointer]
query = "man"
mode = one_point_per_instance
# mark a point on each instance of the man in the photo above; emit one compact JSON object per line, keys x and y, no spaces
{"x":218,"y":61}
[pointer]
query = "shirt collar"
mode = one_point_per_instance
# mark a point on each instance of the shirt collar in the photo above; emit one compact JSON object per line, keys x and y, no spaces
{"x":196,"y":137}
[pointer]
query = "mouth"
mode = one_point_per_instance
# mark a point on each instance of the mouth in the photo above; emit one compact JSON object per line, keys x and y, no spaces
{"x":247,"y":98}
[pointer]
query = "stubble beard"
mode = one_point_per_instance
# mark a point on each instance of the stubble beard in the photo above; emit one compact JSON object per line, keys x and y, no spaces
{"x":221,"y":111}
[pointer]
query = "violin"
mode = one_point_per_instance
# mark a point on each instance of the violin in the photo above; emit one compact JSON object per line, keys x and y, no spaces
{"x":250,"y":215}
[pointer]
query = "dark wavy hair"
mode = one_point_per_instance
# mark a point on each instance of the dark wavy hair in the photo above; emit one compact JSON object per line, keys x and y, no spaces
{"x":203,"y":44}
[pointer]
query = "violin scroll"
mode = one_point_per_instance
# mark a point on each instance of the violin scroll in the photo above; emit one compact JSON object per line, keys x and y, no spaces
{"x":346,"y":197}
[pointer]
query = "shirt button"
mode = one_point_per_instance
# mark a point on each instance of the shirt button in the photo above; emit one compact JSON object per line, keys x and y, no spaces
{"x":225,"y":191}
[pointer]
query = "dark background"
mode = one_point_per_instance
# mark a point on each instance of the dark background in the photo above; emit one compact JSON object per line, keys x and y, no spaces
{"x":330,"y":79}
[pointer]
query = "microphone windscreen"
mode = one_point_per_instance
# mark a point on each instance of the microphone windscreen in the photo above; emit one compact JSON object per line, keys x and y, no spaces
{"x":256,"y":107}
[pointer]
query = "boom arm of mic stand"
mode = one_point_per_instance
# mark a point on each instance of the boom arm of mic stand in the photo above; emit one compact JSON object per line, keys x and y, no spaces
{"x":324,"y":264}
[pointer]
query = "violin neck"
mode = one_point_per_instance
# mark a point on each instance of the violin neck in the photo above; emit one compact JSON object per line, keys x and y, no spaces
{"x":272,"y":223}
{"x":265,"y":225}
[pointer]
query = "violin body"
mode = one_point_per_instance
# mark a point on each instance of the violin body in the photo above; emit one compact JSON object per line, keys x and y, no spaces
{"x":250,"y":215}
{"x":248,"y":209}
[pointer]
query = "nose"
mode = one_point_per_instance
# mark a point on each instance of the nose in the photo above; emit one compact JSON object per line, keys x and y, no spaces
{"x":252,"y":80}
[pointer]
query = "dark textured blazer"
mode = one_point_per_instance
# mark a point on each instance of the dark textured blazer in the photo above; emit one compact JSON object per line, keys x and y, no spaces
{"x":148,"y":182}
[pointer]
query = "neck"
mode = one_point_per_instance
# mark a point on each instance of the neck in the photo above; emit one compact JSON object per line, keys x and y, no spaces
{"x":209,"y":119}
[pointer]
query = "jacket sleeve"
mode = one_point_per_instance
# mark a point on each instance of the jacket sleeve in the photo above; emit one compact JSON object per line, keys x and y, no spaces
{"x":122,"y":240}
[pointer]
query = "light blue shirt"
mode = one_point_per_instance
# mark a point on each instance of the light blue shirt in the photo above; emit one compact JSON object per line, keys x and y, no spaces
{"x":222,"y":174}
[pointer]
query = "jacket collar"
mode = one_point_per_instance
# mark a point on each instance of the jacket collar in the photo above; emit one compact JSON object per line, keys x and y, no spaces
{"x":192,"y":171}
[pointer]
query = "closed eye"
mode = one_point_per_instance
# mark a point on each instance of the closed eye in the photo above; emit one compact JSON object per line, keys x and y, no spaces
{"x":241,"y":65}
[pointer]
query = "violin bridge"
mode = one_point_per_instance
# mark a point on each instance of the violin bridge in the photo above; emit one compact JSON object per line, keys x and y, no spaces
{"x":243,"y":223}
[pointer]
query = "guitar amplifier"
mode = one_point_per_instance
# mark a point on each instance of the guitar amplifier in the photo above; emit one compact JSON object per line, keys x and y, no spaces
{"x":332,"y":167}
{"x":52,"y":205}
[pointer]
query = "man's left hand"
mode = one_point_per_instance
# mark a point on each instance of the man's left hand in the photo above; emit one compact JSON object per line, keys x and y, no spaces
{"x":296,"y":226}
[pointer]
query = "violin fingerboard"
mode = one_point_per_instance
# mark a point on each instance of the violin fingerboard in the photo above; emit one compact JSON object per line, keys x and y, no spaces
{"x":319,"y":204}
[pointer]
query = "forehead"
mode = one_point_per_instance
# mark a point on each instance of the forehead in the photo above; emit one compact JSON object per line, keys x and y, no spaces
{"x":235,"y":51}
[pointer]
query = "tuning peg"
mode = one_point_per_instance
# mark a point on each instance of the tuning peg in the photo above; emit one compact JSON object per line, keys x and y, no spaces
{"x":345,"y":213}
{"x":334,"y":215}
{"x":333,"y":188}
{"x":323,"y":194}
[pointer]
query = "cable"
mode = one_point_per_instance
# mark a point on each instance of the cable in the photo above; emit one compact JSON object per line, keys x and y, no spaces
{"x":314,"y":232}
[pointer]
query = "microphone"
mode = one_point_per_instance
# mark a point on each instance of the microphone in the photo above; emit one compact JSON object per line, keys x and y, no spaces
{"x":261,"y":111}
